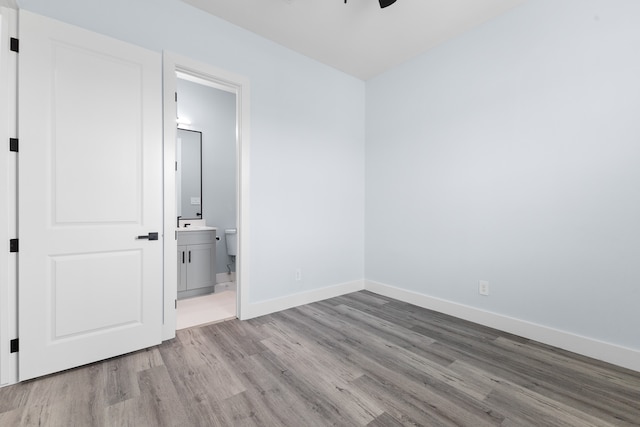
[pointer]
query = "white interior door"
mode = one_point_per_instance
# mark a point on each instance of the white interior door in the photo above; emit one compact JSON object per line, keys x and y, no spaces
{"x":90,"y":182}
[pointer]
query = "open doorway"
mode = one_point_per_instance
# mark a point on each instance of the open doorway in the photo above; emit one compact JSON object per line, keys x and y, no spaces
{"x":206,"y":111}
{"x":206,"y":198}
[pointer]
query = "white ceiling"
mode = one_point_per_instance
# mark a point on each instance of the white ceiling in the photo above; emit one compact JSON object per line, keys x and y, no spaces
{"x":359,"y":37}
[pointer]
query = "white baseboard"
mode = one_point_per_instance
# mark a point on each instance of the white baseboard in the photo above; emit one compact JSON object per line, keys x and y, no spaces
{"x":610,"y":353}
{"x":295,"y":300}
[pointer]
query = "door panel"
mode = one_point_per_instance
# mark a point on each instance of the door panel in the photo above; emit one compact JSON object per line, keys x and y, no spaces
{"x":90,"y":182}
{"x":86,"y":288}
{"x":201,"y":268}
{"x":94,"y":158}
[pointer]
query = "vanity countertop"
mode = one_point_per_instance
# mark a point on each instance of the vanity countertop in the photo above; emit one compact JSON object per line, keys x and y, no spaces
{"x":196,"y":228}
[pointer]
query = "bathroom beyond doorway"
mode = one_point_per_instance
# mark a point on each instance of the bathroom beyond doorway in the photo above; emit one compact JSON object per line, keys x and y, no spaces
{"x":206,"y":309}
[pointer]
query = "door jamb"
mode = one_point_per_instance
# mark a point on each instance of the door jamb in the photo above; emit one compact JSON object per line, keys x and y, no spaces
{"x":230,"y":82}
{"x":8,"y":194}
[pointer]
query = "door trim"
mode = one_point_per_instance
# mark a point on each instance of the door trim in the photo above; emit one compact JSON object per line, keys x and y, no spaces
{"x":229,"y":82}
{"x":8,"y":194}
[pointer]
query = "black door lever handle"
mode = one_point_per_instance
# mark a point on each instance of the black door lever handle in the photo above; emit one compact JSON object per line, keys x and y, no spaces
{"x":150,"y":236}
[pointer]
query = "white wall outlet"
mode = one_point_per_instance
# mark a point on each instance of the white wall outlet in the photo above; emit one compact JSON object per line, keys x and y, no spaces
{"x":483,"y":287}
{"x":298,"y":275}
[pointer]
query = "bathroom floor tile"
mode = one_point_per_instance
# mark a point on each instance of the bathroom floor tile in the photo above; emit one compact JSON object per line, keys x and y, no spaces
{"x":206,"y":309}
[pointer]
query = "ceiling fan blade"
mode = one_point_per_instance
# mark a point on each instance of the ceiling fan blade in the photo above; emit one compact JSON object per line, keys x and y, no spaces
{"x":385,"y":3}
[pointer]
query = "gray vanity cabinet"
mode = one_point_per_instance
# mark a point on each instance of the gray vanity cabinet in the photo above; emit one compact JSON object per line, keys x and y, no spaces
{"x":196,"y":262}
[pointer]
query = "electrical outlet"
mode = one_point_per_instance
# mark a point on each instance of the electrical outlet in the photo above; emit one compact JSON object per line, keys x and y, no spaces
{"x":298,"y":275}
{"x":483,"y":287}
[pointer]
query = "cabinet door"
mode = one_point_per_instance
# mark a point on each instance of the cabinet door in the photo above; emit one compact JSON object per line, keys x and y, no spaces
{"x":200,"y":266}
{"x":182,"y":268}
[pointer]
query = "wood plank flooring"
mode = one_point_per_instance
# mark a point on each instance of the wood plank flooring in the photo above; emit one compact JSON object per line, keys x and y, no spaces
{"x":355,"y":360}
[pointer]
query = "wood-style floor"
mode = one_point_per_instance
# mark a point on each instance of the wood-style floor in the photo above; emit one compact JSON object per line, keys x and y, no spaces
{"x":356,"y":360}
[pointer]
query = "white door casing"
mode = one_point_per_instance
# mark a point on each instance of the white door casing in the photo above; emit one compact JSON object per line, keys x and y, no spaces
{"x":8,"y":194}
{"x":90,"y":181}
{"x":225,"y":80}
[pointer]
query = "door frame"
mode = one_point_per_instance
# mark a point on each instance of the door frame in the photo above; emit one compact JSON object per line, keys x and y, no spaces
{"x":8,"y":193}
{"x":230,"y":82}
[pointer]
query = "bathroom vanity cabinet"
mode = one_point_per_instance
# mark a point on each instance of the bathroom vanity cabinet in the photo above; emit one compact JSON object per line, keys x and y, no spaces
{"x":196,"y":262}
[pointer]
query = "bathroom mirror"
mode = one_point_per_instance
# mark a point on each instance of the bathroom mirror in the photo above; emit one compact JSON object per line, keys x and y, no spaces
{"x":189,"y":174}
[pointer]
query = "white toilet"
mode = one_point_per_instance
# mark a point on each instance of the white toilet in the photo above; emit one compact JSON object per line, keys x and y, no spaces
{"x":231,"y":238}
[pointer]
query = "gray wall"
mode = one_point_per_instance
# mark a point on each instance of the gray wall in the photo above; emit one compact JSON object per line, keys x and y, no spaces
{"x":511,"y":154}
{"x":213,"y":112}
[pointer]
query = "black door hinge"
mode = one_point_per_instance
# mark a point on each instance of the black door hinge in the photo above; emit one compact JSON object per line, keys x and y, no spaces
{"x":176,"y":304}
{"x":15,"y":345}
{"x":15,"y":45}
{"x":13,"y":144}
{"x":13,"y":245}
{"x":176,"y":96}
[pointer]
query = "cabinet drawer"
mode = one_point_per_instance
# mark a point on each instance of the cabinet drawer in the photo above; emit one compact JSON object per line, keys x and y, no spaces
{"x":196,"y":237}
